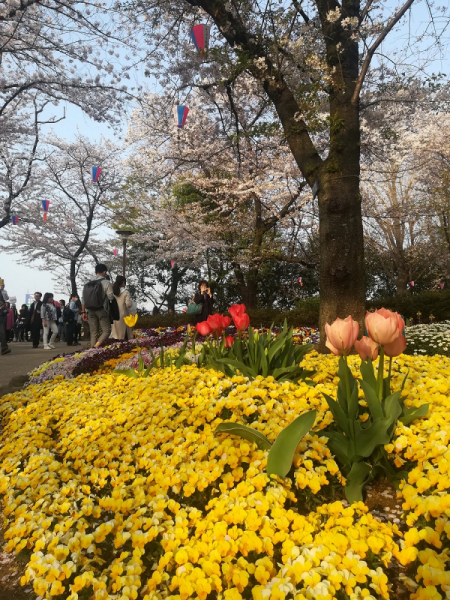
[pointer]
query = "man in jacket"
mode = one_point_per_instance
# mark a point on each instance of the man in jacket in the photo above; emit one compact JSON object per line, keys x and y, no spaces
{"x":98,"y":317}
{"x":35,"y":319}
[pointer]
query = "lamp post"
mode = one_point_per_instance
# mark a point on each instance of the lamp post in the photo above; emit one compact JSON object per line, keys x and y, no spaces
{"x":124,"y":234}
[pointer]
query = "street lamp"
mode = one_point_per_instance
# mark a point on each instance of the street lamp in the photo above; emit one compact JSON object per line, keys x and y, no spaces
{"x":124,"y":234}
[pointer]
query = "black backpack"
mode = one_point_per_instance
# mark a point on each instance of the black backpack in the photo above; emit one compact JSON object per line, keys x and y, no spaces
{"x":68,"y":315}
{"x":94,"y":294}
{"x":114,"y":310}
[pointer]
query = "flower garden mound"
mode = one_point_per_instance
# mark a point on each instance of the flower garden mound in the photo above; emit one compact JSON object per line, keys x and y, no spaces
{"x":118,"y":488}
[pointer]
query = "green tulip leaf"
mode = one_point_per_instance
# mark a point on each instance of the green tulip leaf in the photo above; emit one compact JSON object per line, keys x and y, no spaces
{"x":282,"y":452}
{"x":414,"y":412}
{"x":368,"y":374}
{"x":392,"y":407}
{"x":248,"y":433}
{"x":339,"y":415}
{"x":339,"y":446}
{"x":127,"y":372}
{"x":359,"y":473}
{"x":366,"y":440}
{"x":375,"y":408}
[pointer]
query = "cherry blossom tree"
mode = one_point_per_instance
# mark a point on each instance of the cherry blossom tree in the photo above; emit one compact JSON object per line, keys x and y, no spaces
{"x":79,"y":208}
{"x":227,"y":192}
{"x":315,"y":63}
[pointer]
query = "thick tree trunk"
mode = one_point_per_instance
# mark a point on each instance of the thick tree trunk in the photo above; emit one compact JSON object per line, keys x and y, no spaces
{"x":342,"y":278}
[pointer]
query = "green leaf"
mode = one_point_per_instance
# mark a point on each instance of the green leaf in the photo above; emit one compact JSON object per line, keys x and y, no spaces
{"x":141,"y":363}
{"x":356,"y":479}
{"x":368,"y":374}
{"x":276,"y":346}
{"x":339,"y":415}
{"x":375,"y":408}
{"x":375,"y":435}
{"x":392,"y":407}
{"x":414,"y":412}
{"x":338,"y":445}
{"x":247,"y":371}
{"x":127,"y":372}
{"x":248,"y":433}
{"x":282,"y":452}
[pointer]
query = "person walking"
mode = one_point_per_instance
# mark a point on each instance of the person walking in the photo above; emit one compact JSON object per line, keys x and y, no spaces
{"x":22,"y":321}
{"x":121,"y":331}
{"x":49,"y":321}
{"x":97,"y":294}
{"x":204,"y":296}
{"x":70,"y":322}
{"x":61,"y":325}
{"x":35,"y":320}
{"x":9,"y":323}
{"x":5,"y":349}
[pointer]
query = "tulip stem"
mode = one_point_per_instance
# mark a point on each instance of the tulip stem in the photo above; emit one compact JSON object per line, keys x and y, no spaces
{"x":347,"y":381}
{"x":380,"y":373}
{"x":390,"y":373}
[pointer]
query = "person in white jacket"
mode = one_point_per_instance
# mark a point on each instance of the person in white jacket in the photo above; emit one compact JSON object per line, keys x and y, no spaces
{"x":121,"y":331}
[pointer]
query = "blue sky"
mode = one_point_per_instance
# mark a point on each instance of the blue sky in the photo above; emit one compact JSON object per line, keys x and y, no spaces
{"x":23,"y":279}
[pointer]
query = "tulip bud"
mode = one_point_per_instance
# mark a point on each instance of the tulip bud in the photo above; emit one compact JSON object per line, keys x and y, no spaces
{"x":384,"y":326}
{"x":341,"y":335}
{"x":366,"y":348}
{"x":396,"y":347}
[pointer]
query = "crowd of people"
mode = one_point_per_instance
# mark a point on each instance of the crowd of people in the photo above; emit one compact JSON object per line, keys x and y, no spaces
{"x":101,"y":310}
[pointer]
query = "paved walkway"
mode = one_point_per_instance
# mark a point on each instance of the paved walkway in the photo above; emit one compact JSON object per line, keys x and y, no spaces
{"x":24,"y":358}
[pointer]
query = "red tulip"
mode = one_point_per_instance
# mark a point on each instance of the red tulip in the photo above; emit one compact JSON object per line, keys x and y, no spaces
{"x":396,"y":347}
{"x":241,"y":321}
{"x":203,"y":328}
{"x":215,"y":323}
{"x":366,"y":348}
{"x":236,"y":310}
{"x":229,"y":341}
{"x":226,"y":322}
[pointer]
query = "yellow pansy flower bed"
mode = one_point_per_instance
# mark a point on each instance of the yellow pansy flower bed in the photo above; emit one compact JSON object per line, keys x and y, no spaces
{"x":118,"y":488}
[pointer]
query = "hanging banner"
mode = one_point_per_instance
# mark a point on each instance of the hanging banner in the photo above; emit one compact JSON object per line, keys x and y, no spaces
{"x":15,"y":220}
{"x":411,"y":283}
{"x":180,"y":113}
{"x":45,"y":205}
{"x":96,"y":173}
{"x":172,"y":263}
{"x":300,"y":281}
{"x":45,"y":217}
{"x":200,"y":37}
{"x":115,"y":251}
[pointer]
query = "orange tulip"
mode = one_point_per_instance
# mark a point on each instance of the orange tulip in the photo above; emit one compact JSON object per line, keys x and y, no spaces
{"x":396,"y":347}
{"x":341,"y":335}
{"x":366,"y":348}
{"x":384,"y":326}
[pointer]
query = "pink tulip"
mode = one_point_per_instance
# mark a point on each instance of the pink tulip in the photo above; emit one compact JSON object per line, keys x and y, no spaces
{"x":384,"y":326}
{"x":341,"y":335}
{"x":396,"y":347}
{"x":366,"y":348}
{"x":334,"y":350}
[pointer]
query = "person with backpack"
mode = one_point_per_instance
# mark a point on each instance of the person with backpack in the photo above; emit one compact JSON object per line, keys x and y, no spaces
{"x":97,"y":295}
{"x":49,"y":321}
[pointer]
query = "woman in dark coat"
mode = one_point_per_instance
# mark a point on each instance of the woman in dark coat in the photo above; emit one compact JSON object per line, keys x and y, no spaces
{"x":204,"y":296}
